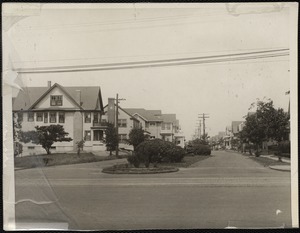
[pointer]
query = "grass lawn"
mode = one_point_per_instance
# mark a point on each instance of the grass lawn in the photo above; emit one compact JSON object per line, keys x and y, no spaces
{"x":57,"y":159}
{"x":187,"y":161}
{"x":267,"y":162}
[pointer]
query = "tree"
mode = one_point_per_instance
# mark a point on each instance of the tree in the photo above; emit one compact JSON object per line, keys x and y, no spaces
{"x":46,"y":136}
{"x":136,"y":136}
{"x":254,"y":131}
{"x":111,"y":138}
{"x":267,"y":123}
{"x":80,"y":145}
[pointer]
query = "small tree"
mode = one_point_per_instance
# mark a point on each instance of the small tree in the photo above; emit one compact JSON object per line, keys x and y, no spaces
{"x":111,"y":138}
{"x":136,"y":136}
{"x":80,"y":146}
{"x":46,"y":136}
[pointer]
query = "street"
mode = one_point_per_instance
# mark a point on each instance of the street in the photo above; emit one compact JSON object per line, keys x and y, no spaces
{"x":227,"y":189}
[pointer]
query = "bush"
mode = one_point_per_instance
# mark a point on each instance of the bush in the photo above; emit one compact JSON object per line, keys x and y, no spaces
{"x":285,"y":147}
{"x":18,"y":148}
{"x":202,"y":149}
{"x":157,"y":151}
{"x":134,"y":160}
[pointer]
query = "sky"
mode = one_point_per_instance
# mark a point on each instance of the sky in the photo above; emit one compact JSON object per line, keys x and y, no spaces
{"x":71,"y":35}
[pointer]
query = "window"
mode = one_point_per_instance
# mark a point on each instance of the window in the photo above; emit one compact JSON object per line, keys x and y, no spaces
{"x":122,"y":137}
{"x":166,"y":126}
{"x":87,"y":117}
{"x":96,"y":117}
{"x":61,"y":117}
{"x":87,"y":135}
{"x":45,"y":117}
{"x":30,"y":147}
{"x":98,"y":135}
{"x":147,"y":124}
{"x":152,"y":137}
{"x":152,"y":123}
{"x":20,"y":116}
{"x":30,"y":116}
{"x":122,"y":123}
{"x":56,"y":100}
{"x":52,"y":117}
{"x":39,"y":116}
{"x":158,"y":124}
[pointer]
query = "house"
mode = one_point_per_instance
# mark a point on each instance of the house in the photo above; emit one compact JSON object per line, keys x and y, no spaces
{"x":162,"y":126}
{"x":126,"y":122}
{"x":78,"y":109}
{"x":150,"y":120}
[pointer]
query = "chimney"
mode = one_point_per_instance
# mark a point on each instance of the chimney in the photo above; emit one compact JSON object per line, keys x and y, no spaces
{"x":49,"y":84}
{"x":111,"y":112}
{"x":78,"y":97}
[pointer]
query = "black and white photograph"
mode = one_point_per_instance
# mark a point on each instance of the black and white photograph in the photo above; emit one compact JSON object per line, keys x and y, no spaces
{"x":143,"y":116}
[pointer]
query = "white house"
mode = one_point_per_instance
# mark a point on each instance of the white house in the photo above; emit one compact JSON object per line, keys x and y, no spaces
{"x":78,"y":109}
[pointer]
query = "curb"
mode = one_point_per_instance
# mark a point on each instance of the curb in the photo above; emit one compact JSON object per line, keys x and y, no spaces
{"x":281,"y":168}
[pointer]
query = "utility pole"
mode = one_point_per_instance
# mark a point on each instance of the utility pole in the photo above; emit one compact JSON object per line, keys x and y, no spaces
{"x":204,"y":116}
{"x":117,"y":123}
{"x":199,"y":129}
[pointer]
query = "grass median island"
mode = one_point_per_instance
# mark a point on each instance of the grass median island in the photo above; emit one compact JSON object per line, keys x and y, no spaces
{"x":266,"y":162}
{"x":127,"y":168}
{"x":33,"y":161}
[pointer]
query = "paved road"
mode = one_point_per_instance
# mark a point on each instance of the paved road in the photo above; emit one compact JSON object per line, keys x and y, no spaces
{"x":227,"y":188}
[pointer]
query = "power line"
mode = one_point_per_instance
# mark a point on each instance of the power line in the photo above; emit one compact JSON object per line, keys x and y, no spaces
{"x":148,"y":64}
{"x":146,"y":55}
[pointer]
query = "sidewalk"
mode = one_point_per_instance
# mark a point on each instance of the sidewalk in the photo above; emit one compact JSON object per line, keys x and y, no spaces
{"x":276,"y":167}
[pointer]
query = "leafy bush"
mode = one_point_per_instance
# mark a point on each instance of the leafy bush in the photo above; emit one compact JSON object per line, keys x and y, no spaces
{"x":285,"y":147}
{"x":134,"y":160}
{"x":200,"y":149}
{"x":18,"y":148}
{"x":156,"y":151}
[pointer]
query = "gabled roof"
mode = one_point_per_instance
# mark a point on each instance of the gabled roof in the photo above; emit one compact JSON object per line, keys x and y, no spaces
{"x":30,"y":96}
{"x":122,"y":109}
{"x":148,"y":115}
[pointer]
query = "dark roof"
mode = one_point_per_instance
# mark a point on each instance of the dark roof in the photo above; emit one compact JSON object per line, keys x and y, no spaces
{"x":169,"y":118}
{"x":148,"y":115}
{"x":31,"y":95}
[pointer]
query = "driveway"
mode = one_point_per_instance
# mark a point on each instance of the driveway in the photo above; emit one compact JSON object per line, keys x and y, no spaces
{"x":227,"y":188}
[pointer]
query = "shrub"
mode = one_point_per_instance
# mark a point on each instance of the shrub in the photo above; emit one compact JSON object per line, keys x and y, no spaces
{"x":134,"y":160}
{"x":158,"y":151}
{"x":18,"y":148}
{"x":200,"y":149}
{"x":285,"y":147}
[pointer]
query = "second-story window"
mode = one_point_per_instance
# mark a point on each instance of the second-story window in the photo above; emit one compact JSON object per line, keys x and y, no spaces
{"x":52,"y":117}
{"x":87,"y":117}
{"x":20,"y":116}
{"x":122,"y":123}
{"x":39,"y":116}
{"x":56,"y":100}
{"x":152,"y":123}
{"x":30,"y":116}
{"x":61,"y":117}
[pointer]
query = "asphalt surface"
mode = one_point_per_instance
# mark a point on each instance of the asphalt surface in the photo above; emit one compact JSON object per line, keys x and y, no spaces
{"x":227,"y":189}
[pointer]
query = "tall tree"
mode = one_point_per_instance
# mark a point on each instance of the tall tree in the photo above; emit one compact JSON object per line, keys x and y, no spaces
{"x":136,"y":136}
{"x":111,"y":138}
{"x":46,"y":136}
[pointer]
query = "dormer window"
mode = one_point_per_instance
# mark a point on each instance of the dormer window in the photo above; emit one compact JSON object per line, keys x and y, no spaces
{"x":56,"y":100}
